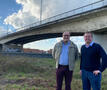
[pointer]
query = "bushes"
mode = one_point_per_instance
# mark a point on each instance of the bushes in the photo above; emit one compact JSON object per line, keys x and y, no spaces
{"x":17,"y":64}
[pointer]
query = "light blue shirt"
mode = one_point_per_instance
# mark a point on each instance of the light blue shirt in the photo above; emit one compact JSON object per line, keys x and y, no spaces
{"x":89,"y":44}
{"x":64,"y":54}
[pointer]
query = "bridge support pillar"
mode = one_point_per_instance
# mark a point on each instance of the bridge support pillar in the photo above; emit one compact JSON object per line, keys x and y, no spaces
{"x":1,"y":47}
{"x":101,"y":39}
{"x":12,"y":48}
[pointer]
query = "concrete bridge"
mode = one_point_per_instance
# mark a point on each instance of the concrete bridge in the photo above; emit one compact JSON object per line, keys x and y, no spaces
{"x":94,"y":20}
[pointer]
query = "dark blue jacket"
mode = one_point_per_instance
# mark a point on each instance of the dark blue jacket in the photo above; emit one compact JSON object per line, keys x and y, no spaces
{"x":91,"y":58}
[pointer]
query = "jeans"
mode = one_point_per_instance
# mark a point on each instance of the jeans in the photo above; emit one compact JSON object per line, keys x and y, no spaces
{"x":90,"y":80}
{"x":63,"y":72}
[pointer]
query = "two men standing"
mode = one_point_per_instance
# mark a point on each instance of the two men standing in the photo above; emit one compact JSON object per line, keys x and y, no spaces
{"x":65,"y":53}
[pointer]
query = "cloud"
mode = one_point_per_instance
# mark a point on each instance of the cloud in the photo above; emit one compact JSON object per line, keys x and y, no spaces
{"x":3,"y":32}
{"x":55,"y":7}
{"x":31,"y":6}
{"x":27,"y":15}
{"x":0,"y":17}
{"x":20,"y":19}
{"x":30,"y":11}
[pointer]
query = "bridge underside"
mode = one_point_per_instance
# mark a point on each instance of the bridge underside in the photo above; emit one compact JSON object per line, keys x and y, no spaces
{"x":101,"y":31}
{"x":32,"y":38}
{"x":94,"y":21}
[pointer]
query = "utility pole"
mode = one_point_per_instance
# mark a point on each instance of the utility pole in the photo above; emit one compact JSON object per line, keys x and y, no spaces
{"x":41,"y":11}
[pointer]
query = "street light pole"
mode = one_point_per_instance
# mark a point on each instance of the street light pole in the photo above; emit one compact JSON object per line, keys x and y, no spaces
{"x":41,"y":11}
{"x":7,"y":29}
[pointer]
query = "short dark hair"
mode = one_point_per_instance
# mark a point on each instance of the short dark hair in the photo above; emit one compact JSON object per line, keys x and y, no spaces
{"x":88,"y":32}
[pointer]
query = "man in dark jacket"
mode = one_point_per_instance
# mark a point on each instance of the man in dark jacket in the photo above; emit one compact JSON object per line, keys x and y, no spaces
{"x":91,"y":66}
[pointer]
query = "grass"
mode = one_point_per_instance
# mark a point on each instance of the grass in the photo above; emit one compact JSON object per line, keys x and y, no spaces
{"x":26,"y":73}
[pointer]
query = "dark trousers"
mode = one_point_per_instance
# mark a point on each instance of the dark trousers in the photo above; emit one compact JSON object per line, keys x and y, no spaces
{"x":61,"y":73}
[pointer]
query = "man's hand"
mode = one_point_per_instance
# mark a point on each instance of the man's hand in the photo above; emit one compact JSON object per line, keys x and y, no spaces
{"x":96,"y":72}
{"x":80,"y":72}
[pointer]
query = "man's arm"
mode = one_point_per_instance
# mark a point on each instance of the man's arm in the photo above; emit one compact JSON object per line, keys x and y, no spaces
{"x":81,"y":62}
{"x":53,"y":51}
{"x":103,"y":55}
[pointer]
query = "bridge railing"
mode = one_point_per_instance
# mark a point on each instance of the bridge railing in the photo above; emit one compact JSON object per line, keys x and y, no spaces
{"x":86,"y":8}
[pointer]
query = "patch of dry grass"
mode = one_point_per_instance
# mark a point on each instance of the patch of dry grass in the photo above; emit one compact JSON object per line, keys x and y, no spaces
{"x":26,"y":73}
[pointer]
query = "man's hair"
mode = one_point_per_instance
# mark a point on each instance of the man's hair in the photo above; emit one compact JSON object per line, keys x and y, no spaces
{"x":88,"y":32}
{"x":66,"y":32}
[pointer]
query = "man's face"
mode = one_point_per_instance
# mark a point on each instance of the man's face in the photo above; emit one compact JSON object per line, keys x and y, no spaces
{"x":66,"y":36}
{"x":88,"y":37}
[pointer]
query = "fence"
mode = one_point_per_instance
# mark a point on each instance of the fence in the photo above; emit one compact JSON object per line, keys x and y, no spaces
{"x":35,"y":55}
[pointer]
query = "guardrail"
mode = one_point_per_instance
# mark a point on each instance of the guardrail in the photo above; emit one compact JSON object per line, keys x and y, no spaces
{"x":92,"y":6}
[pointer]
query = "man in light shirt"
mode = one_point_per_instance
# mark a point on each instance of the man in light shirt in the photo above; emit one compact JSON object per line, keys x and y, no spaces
{"x":65,"y":53}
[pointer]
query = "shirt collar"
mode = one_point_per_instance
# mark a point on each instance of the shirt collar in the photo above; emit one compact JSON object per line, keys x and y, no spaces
{"x":66,"y":43}
{"x":90,"y":44}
